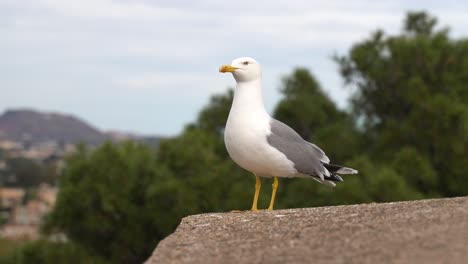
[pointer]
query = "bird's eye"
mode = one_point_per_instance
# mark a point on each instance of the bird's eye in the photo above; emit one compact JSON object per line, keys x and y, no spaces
{"x":245,"y":63}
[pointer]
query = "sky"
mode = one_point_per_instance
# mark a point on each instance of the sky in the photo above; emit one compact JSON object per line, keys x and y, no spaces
{"x":148,"y":67}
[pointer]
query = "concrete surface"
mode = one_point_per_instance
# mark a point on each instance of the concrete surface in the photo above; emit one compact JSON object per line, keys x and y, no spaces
{"x":425,"y":231}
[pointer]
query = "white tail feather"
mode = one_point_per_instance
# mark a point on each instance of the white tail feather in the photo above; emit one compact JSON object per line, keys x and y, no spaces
{"x":328,"y":183}
{"x":345,"y":170}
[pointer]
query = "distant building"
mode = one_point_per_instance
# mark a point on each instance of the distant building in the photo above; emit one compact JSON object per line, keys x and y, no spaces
{"x":28,"y":214}
{"x":47,"y":195}
{"x":10,"y":197}
{"x":10,"y":145}
{"x":24,"y":220}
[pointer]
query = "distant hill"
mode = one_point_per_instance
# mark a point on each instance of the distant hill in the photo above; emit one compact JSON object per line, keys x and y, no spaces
{"x":35,"y":127}
{"x":121,"y":136}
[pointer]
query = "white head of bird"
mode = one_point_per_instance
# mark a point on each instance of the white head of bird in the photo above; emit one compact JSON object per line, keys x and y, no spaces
{"x":243,"y":69}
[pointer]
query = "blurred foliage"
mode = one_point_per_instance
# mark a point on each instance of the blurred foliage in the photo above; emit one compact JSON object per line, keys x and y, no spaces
{"x":7,"y":247}
{"x":406,"y":134}
{"x":24,"y":172}
{"x":213,"y":117}
{"x":45,"y":252}
{"x":105,"y":202}
{"x":411,"y":94}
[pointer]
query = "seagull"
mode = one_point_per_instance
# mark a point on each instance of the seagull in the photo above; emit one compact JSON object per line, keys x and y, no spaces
{"x":265,"y":146}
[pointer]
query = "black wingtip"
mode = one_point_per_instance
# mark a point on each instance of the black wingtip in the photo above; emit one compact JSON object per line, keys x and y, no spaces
{"x":334,"y":177}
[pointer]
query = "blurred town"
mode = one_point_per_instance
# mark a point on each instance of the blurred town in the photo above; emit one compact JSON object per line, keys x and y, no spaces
{"x":23,"y":202}
{"x":32,"y":156}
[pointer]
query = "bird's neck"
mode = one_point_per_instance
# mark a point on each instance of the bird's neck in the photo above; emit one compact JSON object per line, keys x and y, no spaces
{"x":248,"y":97}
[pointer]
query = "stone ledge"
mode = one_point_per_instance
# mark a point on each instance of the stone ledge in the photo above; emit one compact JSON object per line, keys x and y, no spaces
{"x":424,"y":231}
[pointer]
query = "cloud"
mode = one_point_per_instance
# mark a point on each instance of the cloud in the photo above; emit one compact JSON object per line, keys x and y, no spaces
{"x":107,"y":9}
{"x":185,"y":82}
{"x":166,"y":48}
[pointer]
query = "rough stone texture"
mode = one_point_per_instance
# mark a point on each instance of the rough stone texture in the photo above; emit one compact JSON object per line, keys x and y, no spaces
{"x":425,"y":231}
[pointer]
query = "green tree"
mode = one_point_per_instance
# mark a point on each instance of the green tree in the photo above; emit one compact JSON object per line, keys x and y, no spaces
{"x":107,"y":203}
{"x":27,"y":172}
{"x":212,"y":118}
{"x":305,"y":106}
{"x":411,"y":93}
{"x":420,"y":174}
{"x":45,"y":252}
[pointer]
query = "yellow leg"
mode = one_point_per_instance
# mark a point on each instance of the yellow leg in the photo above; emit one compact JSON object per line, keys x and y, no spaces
{"x":258,"y":184}
{"x":273,"y":193}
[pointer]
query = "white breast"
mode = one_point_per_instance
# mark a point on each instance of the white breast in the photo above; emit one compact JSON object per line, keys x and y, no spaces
{"x":246,"y":142}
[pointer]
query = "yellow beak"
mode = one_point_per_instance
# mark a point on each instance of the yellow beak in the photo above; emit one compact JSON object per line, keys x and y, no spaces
{"x":227,"y":68}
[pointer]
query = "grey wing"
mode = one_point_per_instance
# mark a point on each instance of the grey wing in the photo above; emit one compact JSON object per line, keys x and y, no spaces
{"x":320,"y":154}
{"x":307,"y":157}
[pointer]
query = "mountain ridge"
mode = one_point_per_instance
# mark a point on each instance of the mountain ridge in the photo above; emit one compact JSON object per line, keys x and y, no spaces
{"x":30,"y":125}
